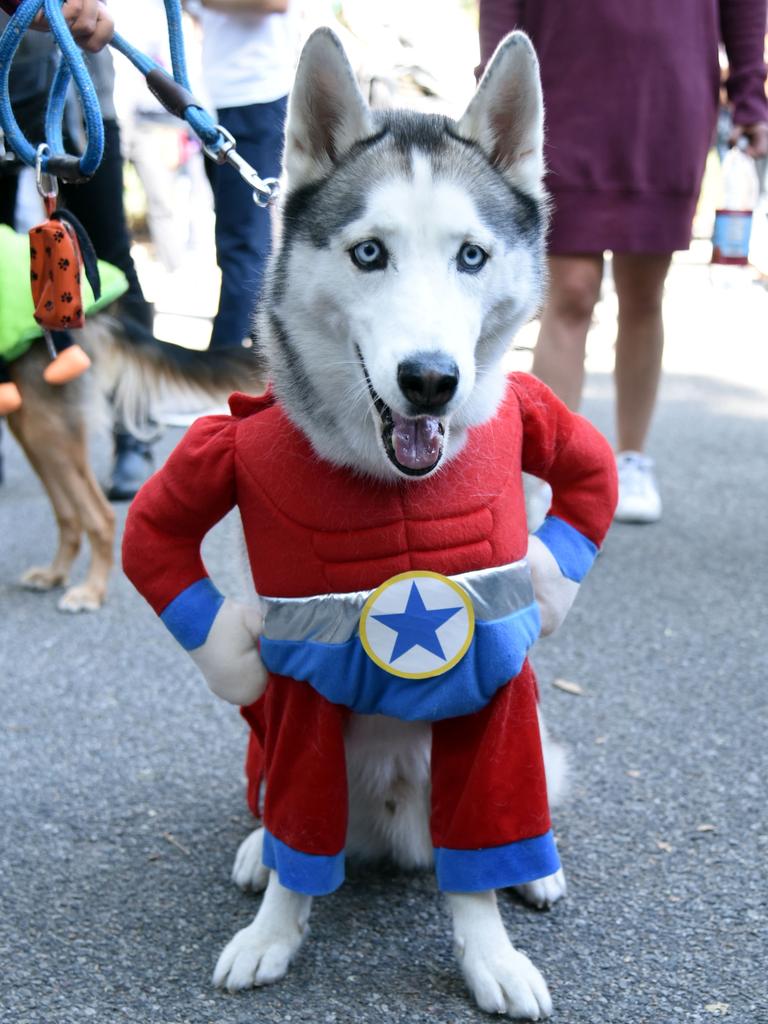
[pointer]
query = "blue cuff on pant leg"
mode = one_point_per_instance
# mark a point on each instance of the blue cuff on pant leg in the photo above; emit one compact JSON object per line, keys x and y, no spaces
{"x":572,"y":551}
{"x":309,"y":873}
{"x":496,"y":867}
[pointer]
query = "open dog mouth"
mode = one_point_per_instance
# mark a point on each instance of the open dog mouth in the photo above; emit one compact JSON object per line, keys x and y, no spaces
{"x":414,"y":445}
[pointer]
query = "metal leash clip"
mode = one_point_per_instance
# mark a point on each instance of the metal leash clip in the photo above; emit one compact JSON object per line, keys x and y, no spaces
{"x":265,"y":190}
{"x":47,"y":184}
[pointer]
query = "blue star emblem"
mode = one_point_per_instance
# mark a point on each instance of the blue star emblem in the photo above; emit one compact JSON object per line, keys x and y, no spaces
{"x":417,"y":626}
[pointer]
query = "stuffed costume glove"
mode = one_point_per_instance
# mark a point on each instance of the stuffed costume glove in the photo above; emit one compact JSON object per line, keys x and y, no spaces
{"x":576,"y":461}
{"x":555,"y":593}
{"x":229,"y":659}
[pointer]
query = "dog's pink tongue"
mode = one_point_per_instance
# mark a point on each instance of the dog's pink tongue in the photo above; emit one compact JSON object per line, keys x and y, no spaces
{"x":417,"y":442}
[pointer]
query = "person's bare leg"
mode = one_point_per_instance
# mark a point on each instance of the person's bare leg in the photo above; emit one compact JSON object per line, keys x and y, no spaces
{"x":639,"y":281}
{"x":574,"y":288}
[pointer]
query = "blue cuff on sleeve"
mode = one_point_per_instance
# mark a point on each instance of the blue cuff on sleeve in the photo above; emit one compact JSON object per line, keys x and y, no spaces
{"x":573,"y":552}
{"x":190,"y":614}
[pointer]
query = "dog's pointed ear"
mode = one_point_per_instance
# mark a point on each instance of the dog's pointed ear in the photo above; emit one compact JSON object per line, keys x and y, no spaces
{"x":326,"y":111}
{"x":505,"y":117}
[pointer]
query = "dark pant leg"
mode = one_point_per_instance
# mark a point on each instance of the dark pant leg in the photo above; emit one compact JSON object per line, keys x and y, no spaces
{"x":9,"y":187}
{"x":98,"y":205}
{"x":243,"y":229}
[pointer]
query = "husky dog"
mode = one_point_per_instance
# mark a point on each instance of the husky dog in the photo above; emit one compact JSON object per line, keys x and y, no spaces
{"x":412,"y":249}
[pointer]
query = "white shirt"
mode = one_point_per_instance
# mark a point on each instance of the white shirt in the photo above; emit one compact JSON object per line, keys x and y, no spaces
{"x":247,"y":57}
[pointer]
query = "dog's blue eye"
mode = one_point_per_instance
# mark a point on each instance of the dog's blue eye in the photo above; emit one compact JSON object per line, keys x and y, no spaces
{"x":471,"y":258}
{"x":369,"y":255}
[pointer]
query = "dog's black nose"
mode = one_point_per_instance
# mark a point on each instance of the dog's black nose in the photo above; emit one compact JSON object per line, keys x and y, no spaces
{"x":428,"y":382}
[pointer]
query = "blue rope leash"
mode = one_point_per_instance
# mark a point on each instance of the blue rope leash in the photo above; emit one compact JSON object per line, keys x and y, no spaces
{"x":173,"y":92}
{"x":55,"y":161}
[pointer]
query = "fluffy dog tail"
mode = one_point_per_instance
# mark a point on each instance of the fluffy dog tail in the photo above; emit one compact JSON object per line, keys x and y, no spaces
{"x":143,"y":375}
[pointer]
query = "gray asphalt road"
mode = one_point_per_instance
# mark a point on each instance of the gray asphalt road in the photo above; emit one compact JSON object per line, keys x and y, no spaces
{"x":122,"y":798}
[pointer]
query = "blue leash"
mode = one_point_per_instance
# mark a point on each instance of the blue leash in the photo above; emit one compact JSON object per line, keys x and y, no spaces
{"x":172,"y":92}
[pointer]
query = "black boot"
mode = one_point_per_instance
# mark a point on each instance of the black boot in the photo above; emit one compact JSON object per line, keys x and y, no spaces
{"x":133,"y":466}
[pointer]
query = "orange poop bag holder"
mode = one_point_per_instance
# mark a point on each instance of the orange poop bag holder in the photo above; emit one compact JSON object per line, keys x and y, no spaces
{"x":56,"y":249}
{"x":56,"y":274}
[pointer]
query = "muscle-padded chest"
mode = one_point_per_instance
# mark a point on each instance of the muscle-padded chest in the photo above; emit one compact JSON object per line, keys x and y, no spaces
{"x":311,"y":528}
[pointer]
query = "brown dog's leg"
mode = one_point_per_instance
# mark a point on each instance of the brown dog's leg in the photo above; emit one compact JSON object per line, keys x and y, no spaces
{"x":98,"y":520}
{"x":52,"y":433}
{"x":35,"y":439}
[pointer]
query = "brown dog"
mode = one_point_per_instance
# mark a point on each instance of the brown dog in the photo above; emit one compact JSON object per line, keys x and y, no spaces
{"x":52,"y":428}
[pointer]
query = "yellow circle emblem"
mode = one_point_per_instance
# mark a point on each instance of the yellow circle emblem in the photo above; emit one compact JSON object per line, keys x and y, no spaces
{"x":417,"y":625}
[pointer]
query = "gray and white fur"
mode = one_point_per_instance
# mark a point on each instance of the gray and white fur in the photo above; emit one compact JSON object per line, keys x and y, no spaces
{"x":412,"y":249}
{"x":422,"y":186}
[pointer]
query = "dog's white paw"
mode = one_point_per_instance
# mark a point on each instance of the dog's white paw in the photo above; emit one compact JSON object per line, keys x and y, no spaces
{"x":257,"y":955}
{"x":82,"y":598}
{"x":42,"y":578}
{"x":544,"y":892}
{"x":248,"y":871}
{"x":261,"y":953}
{"x":503,"y":980}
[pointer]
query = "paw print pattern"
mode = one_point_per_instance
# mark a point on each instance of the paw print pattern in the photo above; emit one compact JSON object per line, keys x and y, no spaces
{"x":55,"y":276}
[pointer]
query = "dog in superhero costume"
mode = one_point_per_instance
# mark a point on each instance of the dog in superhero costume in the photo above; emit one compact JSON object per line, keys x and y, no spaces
{"x":399,"y":589}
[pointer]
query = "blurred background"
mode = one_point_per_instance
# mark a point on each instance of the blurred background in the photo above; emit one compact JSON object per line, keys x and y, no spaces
{"x":400,"y":58}
{"x":405,"y":54}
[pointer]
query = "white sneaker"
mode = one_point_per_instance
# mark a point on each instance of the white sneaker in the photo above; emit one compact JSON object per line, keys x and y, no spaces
{"x":538,"y":498}
{"x":639,"y":499}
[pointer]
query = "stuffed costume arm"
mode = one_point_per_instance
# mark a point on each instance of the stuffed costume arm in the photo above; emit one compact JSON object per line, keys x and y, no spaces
{"x":576,"y":461}
{"x":166,"y":525}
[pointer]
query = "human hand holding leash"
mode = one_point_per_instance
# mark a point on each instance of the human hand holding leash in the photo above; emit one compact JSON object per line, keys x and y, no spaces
{"x":90,"y":22}
{"x":229,"y":659}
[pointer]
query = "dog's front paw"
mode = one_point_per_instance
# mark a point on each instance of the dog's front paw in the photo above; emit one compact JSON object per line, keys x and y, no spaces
{"x":248,"y":871}
{"x":43,"y":578}
{"x":83,"y":598}
{"x":544,"y":892}
{"x":503,"y":980}
{"x":257,"y":955}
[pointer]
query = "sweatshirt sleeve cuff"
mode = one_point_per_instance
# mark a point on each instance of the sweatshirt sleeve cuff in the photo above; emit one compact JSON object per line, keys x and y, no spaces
{"x":573,"y":552}
{"x":190,"y":614}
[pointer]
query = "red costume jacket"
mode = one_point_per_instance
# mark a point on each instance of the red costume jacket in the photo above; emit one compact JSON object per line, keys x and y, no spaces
{"x":312,"y":530}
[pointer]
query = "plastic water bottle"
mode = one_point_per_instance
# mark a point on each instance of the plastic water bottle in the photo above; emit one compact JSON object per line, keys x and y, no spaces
{"x":740,"y":189}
